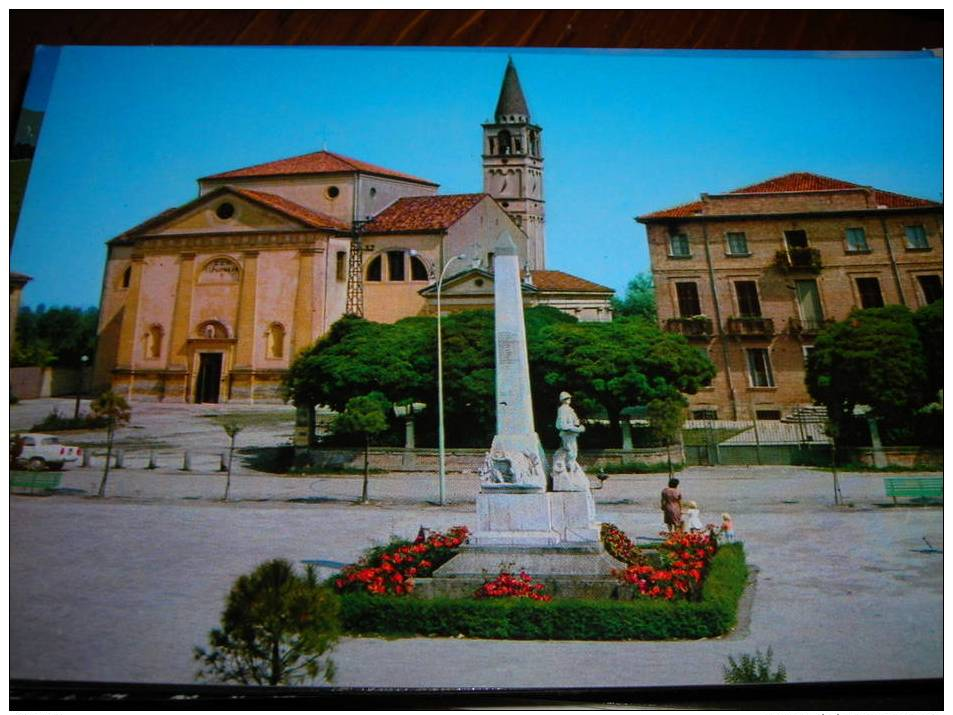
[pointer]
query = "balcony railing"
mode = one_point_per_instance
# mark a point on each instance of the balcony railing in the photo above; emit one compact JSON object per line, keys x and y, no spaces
{"x":798,"y":326}
{"x":698,"y":326}
{"x":798,"y":260}
{"x":753,"y":326}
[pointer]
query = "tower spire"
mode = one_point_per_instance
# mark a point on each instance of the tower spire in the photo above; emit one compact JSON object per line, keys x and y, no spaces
{"x":511,"y":106}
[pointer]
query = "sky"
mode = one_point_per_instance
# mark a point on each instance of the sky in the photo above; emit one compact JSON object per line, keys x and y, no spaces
{"x":128,"y":130}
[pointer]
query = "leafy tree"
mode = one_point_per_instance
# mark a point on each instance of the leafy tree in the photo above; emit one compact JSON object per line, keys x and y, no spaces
{"x":666,"y":417}
{"x":875,"y":358}
{"x":115,"y":410}
{"x":929,"y":323}
{"x":274,"y":630}
{"x":365,"y":416}
{"x":55,"y":336}
{"x":610,"y":366}
{"x":232,"y":428}
{"x":639,"y":299}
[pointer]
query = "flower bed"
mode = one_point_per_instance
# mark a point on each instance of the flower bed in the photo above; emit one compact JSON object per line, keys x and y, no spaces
{"x":506,"y":585}
{"x":682,"y":560}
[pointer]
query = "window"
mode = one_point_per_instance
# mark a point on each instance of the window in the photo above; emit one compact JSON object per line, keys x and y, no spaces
{"x":932,"y":288}
{"x":768,"y":414}
{"x":490,"y":257}
{"x":225,"y":211}
{"x":809,"y":304}
{"x":748,"y":304}
{"x":795,"y":239}
{"x":395,"y":265}
{"x":126,"y":277}
{"x":340,"y":265}
{"x":759,"y":368}
{"x":374,"y":269}
{"x":418,"y":271}
{"x":678,"y":246}
{"x":857,"y":241}
{"x":706,"y":414}
{"x":916,"y":237}
{"x":688,"y":303}
{"x":276,"y":340}
{"x":333,"y":192}
{"x":807,"y":350}
{"x":737,"y":244}
{"x":870,"y":295}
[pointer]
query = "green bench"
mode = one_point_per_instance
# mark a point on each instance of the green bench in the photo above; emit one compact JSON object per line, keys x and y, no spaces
{"x":914,"y":487}
{"x":41,"y":482}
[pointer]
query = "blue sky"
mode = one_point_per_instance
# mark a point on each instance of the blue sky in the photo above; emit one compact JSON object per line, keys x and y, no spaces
{"x":128,"y":130}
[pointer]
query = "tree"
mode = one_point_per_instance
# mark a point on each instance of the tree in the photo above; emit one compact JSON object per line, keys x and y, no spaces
{"x":639,"y":299}
{"x":274,"y":630}
{"x":874,"y":358}
{"x":610,"y":366}
{"x":929,"y":323}
{"x":232,"y":428}
{"x":666,"y":417}
{"x":115,"y":410}
{"x":55,"y":336}
{"x":365,"y":416}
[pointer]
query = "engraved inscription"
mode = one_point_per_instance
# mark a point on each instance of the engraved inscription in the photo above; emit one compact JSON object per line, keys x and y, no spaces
{"x":507,"y":345}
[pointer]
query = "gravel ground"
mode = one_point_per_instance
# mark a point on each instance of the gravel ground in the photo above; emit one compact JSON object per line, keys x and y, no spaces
{"x":122,"y":588}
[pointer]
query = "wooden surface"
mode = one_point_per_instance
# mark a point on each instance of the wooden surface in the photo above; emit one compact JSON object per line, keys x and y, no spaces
{"x":692,"y":29}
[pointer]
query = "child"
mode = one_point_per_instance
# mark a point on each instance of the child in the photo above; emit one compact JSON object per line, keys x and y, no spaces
{"x":690,"y":520}
{"x":727,"y":530}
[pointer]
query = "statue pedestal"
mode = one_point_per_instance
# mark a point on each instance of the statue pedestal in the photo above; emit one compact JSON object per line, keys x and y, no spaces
{"x":535,"y":519}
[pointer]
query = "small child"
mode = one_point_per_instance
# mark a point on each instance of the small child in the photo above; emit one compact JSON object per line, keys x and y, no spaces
{"x":690,"y":519}
{"x":727,"y":529}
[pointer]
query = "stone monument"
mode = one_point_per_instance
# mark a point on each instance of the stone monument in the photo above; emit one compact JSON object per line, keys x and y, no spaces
{"x":528,"y":517}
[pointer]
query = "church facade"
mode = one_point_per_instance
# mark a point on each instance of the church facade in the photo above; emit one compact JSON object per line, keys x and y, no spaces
{"x":210,"y":301}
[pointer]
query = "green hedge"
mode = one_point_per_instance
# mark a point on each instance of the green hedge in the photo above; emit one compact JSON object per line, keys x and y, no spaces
{"x":559,"y":619}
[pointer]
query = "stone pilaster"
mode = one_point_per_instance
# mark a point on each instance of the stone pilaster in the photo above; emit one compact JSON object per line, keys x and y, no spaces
{"x":128,"y":334}
{"x":302,"y":331}
{"x":246,"y":323}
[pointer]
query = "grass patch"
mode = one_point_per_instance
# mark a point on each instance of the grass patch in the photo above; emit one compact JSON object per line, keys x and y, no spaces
{"x":335,"y":470}
{"x":640,"y":468}
{"x":55,"y":422}
{"x":253,"y":419}
{"x":560,"y":619}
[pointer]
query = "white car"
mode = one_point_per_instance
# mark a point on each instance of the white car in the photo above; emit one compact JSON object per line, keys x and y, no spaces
{"x":42,"y":451}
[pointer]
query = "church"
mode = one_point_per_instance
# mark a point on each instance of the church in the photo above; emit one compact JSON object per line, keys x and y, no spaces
{"x":211,"y":301}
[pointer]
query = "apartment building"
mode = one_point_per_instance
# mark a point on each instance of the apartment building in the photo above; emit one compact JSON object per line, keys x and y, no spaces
{"x":752,"y":275}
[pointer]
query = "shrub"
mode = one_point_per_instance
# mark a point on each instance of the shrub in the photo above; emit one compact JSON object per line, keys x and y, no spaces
{"x":274,"y":630}
{"x":55,"y":422}
{"x":563,"y":619}
{"x":753,"y":669}
{"x":640,"y":468}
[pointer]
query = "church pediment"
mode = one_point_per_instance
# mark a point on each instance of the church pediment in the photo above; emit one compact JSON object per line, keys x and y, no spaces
{"x":472,"y":282}
{"x":234,"y":210}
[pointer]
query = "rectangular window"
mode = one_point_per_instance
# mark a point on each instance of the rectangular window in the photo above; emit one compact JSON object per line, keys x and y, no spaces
{"x":916,"y":237}
{"x":688,"y":303}
{"x":395,"y":265}
{"x":340,"y":265}
{"x":870,"y":295}
{"x":759,"y":367}
{"x":748,"y":304}
{"x":807,"y":350}
{"x":768,"y":414}
{"x":795,"y":239}
{"x":857,"y":241}
{"x":737,"y":244}
{"x":932,"y":288}
{"x":809,"y":304}
{"x":706,"y":414}
{"x":678,"y":246}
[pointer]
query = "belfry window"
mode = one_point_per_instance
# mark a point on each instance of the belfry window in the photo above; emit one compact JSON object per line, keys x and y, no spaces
{"x":504,"y":140}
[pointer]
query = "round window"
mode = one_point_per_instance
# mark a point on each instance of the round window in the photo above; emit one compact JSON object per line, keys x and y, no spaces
{"x":333,"y":192}
{"x":478,"y":282}
{"x":505,"y":204}
{"x":373,"y":191}
{"x":225,"y":211}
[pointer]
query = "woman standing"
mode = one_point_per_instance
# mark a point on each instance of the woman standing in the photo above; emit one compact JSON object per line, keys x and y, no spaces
{"x":672,"y":505}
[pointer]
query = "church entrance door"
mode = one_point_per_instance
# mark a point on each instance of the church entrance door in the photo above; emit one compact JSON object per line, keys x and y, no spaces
{"x":209,"y":378}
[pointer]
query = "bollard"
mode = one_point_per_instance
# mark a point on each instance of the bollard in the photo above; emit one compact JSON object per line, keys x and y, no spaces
{"x":120,"y":454}
{"x":87,"y":455}
{"x":222,"y":466}
{"x":186,"y":462}
{"x":152,"y":459}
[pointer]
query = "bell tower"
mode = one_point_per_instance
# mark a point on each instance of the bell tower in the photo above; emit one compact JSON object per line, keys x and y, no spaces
{"x":513,"y":165}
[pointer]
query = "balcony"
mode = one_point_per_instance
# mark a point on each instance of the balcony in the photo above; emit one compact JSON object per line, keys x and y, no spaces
{"x":698,"y":326}
{"x":797,"y":326}
{"x":746,"y":326}
{"x":798,"y":260}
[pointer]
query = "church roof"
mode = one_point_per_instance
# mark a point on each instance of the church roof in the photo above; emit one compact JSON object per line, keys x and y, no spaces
{"x":511,"y":101}
{"x":316,"y":219}
{"x":423,"y":213}
{"x":797,"y":182}
{"x":319,"y":162}
{"x":561,"y":281}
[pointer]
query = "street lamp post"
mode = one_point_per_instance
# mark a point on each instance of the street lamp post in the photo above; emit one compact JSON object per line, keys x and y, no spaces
{"x":440,"y":432}
{"x":79,"y":387}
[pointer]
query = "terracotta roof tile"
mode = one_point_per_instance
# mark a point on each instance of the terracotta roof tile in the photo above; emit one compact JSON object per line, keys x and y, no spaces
{"x":561,"y":281}
{"x":423,"y":213}
{"x":799,"y":181}
{"x":319,"y":162}
{"x":308,"y":216}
